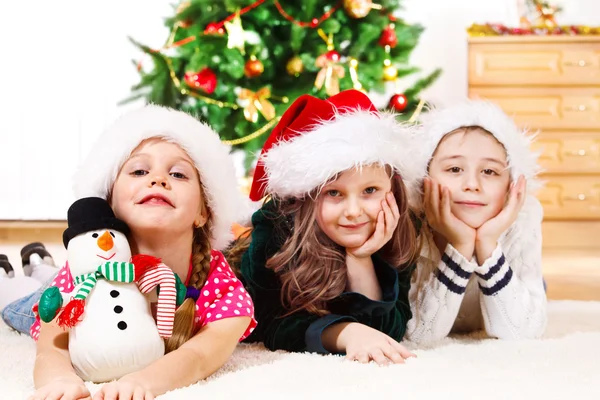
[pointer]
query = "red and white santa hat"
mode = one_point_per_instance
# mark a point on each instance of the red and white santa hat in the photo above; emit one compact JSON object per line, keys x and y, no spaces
{"x":437,"y":123}
{"x":211,"y":157}
{"x":317,"y":139}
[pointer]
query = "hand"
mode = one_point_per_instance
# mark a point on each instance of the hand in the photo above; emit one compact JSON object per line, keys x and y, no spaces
{"x":63,"y":389}
{"x":387,"y":221}
{"x":363,"y":344}
{"x":125,"y":388}
{"x":441,"y":219}
{"x":489,"y":233}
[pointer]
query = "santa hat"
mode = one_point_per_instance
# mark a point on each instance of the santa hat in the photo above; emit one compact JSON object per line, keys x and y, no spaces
{"x":211,"y":157}
{"x":317,"y":139}
{"x":438,"y":123}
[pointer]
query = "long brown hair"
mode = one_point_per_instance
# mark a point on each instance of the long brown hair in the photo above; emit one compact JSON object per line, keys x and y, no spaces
{"x":311,"y":267}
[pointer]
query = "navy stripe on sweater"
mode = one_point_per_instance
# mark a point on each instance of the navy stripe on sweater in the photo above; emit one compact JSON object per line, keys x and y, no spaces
{"x":454,"y":266}
{"x":494,"y":269}
{"x":489,"y":291}
{"x":453,"y":287}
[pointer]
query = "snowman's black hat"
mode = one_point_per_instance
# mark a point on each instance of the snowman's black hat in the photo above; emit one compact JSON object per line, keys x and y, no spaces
{"x":90,"y":214}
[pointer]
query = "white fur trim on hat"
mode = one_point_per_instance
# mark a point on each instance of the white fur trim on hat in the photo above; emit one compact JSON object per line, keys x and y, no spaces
{"x":517,"y":143}
{"x":99,"y":170}
{"x":350,"y":140}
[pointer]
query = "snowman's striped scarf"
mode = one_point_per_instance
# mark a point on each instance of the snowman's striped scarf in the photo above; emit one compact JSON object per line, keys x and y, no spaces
{"x":112,"y":271}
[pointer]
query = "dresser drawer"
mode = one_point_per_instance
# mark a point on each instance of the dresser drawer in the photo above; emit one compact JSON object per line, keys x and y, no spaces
{"x":567,"y":153}
{"x":547,"y":108}
{"x":571,"y":197}
{"x":534,"y":63}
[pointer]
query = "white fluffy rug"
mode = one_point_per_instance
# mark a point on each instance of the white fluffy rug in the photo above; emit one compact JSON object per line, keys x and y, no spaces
{"x":563,"y":365}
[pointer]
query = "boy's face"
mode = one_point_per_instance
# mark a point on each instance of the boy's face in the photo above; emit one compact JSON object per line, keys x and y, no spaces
{"x":473,"y":166}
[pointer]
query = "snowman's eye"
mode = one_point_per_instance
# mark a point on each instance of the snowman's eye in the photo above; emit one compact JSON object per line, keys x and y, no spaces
{"x":112,"y":234}
{"x":94,"y":235}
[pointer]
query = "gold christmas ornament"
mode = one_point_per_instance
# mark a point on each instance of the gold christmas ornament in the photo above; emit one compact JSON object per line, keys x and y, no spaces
{"x":390,"y":73}
{"x":359,"y":8}
{"x":295,"y":66}
{"x":330,"y":73}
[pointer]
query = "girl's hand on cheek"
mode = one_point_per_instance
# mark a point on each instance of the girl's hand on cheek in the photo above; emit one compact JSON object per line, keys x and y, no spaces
{"x":387,"y":221}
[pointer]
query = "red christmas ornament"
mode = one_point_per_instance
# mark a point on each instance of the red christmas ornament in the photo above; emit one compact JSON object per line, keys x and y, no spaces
{"x":205,"y":80}
{"x":253,"y":67}
{"x":332,"y":55}
{"x":214,"y":29}
{"x":398,"y":102}
{"x":388,"y":37}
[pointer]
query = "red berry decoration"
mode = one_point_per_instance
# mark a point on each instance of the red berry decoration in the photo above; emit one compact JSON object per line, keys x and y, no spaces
{"x":388,"y":37}
{"x":214,"y":29}
{"x":253,"y":67}
{"x":398,"y":102}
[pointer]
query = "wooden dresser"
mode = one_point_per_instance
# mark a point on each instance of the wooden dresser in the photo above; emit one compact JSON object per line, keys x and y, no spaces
{"x":551,"y":84}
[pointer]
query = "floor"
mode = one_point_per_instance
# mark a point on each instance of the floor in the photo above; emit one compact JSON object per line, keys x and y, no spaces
{"x":570,"y":274}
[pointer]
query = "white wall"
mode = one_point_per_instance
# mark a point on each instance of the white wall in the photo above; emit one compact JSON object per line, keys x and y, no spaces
{"x":65,"y":64}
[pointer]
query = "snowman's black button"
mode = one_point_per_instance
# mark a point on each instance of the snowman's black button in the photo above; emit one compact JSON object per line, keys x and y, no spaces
{"x":118,"y":309}
{"x":114,"y":293}
{"x":122,"y":325}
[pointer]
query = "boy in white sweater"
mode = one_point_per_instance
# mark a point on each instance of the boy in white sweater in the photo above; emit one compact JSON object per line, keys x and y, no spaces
{"x":480,"y":267}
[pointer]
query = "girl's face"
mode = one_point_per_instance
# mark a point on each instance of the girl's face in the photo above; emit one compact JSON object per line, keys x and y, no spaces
{"x":473,"y":166}
{"x":348,"y":207}
{"x":158,"y":187}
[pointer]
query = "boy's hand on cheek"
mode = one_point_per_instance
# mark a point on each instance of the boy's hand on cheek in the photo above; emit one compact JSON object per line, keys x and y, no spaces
{"x":441,"y":219}
{"x":489,"y":233}
{"x":387,"y":221}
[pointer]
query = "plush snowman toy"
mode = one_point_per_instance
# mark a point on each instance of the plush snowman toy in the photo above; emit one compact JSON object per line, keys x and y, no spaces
{"x":112,"y":330}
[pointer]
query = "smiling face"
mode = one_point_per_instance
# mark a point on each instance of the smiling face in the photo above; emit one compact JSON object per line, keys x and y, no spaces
{"x":472,"y":164}
{"x":349,"y":205}
{"x":158,"y":188}
{"x":89,"y":250}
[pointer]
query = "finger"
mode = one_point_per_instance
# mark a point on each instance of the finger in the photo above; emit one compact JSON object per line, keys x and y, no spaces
{"x":393,"y":354}
{"x":435,"y":198}
{"x":389,"y":221}
{"x":111,"y":393}
{"x":124,"y":393}
{"x":404,"y":352}
{"x":149,"y":396}
{"x":378,"y":356}
{"x":139,"y":393}
{"x":362,"y":357}
{"x":427,"y":200}
{"x":57,"y":395}
{"x":391,"y":200}
{"x":379,"y":233}
{"x":445,"y":213}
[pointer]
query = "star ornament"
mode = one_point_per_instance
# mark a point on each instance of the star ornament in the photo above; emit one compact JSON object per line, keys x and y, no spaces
{"x":236,"y":36}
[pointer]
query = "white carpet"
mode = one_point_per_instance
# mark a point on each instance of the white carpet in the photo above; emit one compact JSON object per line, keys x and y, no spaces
{"x":563,"y":365}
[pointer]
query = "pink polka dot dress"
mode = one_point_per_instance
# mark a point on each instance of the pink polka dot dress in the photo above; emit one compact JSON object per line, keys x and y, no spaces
{"x":223,"y":296}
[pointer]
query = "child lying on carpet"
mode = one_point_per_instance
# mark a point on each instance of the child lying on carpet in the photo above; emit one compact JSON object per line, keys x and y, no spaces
{"x":171,"y":180}
{"x":328,"y":262}
{"x":480,"y":267}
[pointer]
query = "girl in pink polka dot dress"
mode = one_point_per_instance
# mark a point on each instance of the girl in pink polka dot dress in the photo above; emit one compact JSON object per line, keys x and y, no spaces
{"x":170,"y":179}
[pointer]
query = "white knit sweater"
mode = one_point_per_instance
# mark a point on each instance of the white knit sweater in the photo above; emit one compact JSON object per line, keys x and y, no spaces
{"x":505,"y":295}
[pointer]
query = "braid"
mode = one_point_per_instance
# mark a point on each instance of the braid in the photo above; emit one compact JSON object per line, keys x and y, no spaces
{"x":184,"y":316}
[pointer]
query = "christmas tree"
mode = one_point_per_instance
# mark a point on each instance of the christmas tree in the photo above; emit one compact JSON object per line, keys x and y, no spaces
{"x":238,"y":64}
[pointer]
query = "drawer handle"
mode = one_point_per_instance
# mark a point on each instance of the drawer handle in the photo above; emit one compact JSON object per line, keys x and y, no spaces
{"x":579,"y":197}
{"x":579,"y":108}
{"x":580,"y":153}
{"x":580,"y":63}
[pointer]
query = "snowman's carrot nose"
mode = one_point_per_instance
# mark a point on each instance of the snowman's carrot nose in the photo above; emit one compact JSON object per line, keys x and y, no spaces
{"x":105,"y":241}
